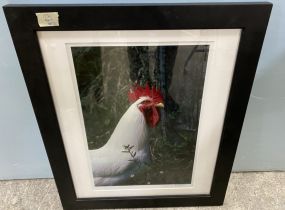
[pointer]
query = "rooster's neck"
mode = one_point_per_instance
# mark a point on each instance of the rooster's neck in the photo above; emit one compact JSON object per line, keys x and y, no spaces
{"x":131,"y":130}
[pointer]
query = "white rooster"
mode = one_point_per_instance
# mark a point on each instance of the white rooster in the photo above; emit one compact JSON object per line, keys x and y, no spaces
{"x":128,"y":147}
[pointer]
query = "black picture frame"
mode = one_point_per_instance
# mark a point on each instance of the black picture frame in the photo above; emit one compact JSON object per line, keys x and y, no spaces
{"x":252,"y":18}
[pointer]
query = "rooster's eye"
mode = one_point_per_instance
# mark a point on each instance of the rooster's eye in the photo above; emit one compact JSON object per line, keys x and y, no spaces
{"x":146,"y":103}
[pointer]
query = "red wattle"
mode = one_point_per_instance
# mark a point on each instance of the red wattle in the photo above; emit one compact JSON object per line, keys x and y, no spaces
{"x":154,"y":118}
{"x":151,"y":115}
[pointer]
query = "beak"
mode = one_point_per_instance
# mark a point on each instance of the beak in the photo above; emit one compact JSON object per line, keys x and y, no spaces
{"x":160,"y":105}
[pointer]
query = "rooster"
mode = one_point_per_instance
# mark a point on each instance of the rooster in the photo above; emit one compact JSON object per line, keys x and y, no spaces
{"x":128,"y":150}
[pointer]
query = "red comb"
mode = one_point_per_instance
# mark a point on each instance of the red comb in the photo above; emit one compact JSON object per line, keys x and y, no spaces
{"x":137,"y":91}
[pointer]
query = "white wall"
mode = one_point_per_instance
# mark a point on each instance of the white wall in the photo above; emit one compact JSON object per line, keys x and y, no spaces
{"x":262,"y":142}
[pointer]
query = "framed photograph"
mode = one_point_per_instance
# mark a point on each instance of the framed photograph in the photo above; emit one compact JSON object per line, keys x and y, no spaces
{"x":139,"y":105}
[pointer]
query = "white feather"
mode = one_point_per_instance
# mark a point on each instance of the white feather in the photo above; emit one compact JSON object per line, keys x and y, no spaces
{"x":109,"y":163}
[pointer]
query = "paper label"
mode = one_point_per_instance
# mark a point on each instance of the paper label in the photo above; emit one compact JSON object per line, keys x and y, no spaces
{"x":47,"y":19}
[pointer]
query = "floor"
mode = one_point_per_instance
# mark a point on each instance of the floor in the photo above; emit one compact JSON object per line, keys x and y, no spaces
{"x":258,"y":191}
